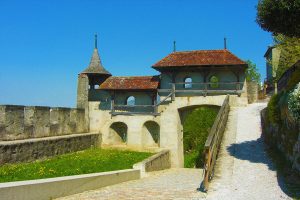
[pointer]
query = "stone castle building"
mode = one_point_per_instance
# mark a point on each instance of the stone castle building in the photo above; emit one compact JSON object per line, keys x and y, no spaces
{"x":147,"y":112}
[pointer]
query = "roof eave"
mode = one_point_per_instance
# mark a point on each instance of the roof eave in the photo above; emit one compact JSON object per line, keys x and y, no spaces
{"x":182,"y":66}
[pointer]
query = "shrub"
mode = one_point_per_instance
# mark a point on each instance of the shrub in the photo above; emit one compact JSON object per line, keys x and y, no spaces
{"x":274,"y":110}
{"x":294,"y":102}
{"x":293,"y":80}
{"x":195,"y":131}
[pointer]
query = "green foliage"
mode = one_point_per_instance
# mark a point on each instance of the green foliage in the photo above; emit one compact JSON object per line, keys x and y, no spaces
{"x":195,"y":131}
{"x":273,"y":110}
{"x":83,"y":162}
{"x":252,"y":73}
{"x":294,"y":102}
{"x":289,"y":52}
{"x":214,"y":82}
{"x":279,"y":16}
{"x":293,"y":80}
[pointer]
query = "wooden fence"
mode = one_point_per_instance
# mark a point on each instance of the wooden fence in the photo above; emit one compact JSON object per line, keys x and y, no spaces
{"x":212,"y":144}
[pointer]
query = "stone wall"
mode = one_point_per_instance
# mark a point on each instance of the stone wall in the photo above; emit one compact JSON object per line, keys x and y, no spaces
{"x":24,"y":122}
{"x":32,"y":149}
{"x":252,"y":89}
{"x":285,"y":138}
{"x":159,"y":161}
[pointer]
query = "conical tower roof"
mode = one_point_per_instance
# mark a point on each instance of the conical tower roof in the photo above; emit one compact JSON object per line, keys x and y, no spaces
{"x":95,"y":66}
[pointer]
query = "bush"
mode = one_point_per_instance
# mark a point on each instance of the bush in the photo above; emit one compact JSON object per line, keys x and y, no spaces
{"x":293,"y":80}
{"x":274,"y":110}
{"x":294,"y":102}
{"x":195,"y":131}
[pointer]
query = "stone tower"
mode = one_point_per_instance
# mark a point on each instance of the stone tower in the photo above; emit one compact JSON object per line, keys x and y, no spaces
{"x":90,"y":78}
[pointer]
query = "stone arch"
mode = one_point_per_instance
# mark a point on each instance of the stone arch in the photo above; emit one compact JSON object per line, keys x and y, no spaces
{"x":192,"y":133}
{"x":150,"y":134}
{"x":117,"y":133}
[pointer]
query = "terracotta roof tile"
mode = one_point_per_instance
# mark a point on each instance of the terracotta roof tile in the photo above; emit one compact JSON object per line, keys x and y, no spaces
{"x":130,"y":83}
{"x":199,"y":58}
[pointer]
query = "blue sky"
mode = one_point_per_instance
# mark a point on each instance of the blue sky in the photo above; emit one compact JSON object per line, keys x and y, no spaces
{"x":45,"y":44}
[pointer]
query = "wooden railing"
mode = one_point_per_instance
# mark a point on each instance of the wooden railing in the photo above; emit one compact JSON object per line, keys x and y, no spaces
{"x":134,"y":109}
{"x":139,"y":109}
{"x":213,"y":142}
{"x":220,"y":88}
{"x":205,"y":88}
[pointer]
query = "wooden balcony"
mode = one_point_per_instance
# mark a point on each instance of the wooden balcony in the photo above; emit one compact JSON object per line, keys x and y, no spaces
{"x":182,"y":89}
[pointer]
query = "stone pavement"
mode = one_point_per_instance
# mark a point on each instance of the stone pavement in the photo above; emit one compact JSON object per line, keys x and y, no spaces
{"x":179,"y":184}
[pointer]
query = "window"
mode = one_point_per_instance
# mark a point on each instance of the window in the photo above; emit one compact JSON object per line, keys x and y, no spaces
{"x":188,"y":83}
{"x":130,"y":101}
{"x":214,"y":82}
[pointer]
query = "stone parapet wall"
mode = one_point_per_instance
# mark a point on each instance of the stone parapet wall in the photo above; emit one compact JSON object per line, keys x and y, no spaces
{"x":24,"y":122}
{"x":32,"y":149}
{"x":156,"y":162}
{"x":52,"y":188}
{"x":252,"y":92}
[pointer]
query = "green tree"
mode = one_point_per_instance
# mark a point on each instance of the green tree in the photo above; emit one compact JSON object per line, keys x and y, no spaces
{"x":289,"y":52}
{"x":279,"y":16}
{"x":252,"y":73}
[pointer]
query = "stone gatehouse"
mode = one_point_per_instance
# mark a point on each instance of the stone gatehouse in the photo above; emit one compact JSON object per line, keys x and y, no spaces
{"x":143,"y":112}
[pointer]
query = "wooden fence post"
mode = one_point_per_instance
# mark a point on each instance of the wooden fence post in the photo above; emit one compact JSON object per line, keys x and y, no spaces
{"x":112,"y":102}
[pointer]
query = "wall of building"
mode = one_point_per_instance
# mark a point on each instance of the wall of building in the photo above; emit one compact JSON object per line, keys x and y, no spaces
{"x":102,"y":122}
{"x":24,"y":122}
{"x":198,"y":77}
{"x":169,"y":123}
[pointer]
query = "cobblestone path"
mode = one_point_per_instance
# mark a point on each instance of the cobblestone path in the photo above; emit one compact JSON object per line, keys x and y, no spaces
{"x":179,"y":184}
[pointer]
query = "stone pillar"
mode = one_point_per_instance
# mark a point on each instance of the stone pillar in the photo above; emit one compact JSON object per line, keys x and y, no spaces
{"x":83,"y":97}
{"x":82,"y":91}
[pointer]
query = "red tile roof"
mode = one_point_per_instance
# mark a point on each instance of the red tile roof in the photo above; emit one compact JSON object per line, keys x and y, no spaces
{"x":130,"y":83}
{"x":199,"y":58}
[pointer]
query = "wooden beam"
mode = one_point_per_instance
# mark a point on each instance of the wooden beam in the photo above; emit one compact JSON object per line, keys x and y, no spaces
{"x":134,"y":113}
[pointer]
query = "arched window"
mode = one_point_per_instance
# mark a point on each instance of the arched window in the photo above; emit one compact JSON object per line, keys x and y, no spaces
{"x":214,"y":82}
{"x":188,"y":82}
{"x":130,"y":101}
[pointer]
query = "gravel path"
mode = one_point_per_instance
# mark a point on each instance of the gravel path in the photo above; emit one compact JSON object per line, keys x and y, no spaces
{"x":243,"y":170}
{"x":248,"y":173}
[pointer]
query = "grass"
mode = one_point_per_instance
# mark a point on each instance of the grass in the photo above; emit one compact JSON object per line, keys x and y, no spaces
{"x":196,"y":128}
{"x":82,"y":162}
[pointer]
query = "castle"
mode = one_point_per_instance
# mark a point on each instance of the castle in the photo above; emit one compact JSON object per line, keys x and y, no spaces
{"x":146,"y":112}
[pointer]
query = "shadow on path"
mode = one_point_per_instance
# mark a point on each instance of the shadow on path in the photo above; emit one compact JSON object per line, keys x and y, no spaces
{"x":255,"y":151}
